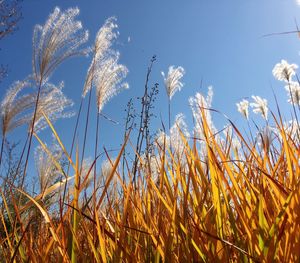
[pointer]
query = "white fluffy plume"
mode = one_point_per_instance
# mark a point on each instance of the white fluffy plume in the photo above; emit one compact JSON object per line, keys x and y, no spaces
{"x":58,"y":39}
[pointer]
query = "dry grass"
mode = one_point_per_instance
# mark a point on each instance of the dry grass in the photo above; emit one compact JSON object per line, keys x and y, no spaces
{"x":231,"y":207}
{"x":198,"y":199}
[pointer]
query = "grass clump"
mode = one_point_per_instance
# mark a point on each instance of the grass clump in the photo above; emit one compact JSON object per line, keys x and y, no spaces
{"x":188,"y":196}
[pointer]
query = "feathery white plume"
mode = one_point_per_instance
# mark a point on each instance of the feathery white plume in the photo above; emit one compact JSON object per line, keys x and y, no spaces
{"x":162,"y":139}
{"x":105,"y":37}
{"x":260,"y":106}
{"x":48,"y":173}
{"x":18,"y":110}
{"x":292,"y":129}
{"x":53,"y":104}
{"x":197,"y":103}
{"x":14,"y":106}
{"x":103,"y":42}
{"x":265,"y":137}
{"x":284,"y":71}
{"x":105,"y":73}
{"x":58,"y":39}
{"x":173,"y":80}
{"x":109,"y":80}
{"x":243,"y":108}
{"x":293,"y":89}
{"x":178,"y":130}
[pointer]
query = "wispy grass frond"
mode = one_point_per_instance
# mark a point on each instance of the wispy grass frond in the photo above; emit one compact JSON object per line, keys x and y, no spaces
{"x":101,"y":50}
{"x":109,"y":77}
{"x":54,"y":104}
{"x":14,"y":105}
{"x":173,"y":80}
{"x":200,"y":104}
{"x":61,"y":37}
{"x":47,"y":172}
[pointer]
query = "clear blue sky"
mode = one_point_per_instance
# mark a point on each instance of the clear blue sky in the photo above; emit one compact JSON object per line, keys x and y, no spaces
{"x":217,"y":41}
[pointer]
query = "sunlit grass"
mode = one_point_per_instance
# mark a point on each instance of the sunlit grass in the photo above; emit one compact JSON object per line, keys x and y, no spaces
{"x":232,"y":206}
{"x":199,"y":196}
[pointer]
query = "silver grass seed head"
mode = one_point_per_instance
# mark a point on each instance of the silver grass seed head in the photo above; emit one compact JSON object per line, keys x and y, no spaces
{"x":61,"y":37}
{"x":46,"y":169}
{"x":178,"y":130}
{"x":106,"y":170}
{"x":198,"y":103}
{"x":292,"y":129}
{"x":109,"y":77}
{"x":173,"y":80}
{"x":293,"y":90}
{"x":13,"y":106}
{"x":243,"y":108}
{"x":86,"y":171}
{"x":53,"y":103}
{"x":284,"y":71}
{"x":179,"y":126}
{"x":260,"y":105}
{"x":105,"y":37}
{"x":162,"y":139}
{"x":101,"y":50}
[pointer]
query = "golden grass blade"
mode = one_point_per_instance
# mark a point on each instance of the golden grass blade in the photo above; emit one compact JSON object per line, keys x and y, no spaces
{"x":91,"y":243}
{"x":45,"y":148}
{"x":58,"y":139}
{"x":7,"y":235}
{"x":48,"y":221}
{"x":75,"y":213}
{"x":15,"y":233}
{"x":110,"y":177}
{"x":101,"y":240}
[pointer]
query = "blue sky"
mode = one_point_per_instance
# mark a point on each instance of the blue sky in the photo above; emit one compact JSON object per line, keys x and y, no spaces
{"x":218,"y":42}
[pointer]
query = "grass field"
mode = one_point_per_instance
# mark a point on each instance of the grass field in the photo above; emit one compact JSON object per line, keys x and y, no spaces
{"x":189,"y":194}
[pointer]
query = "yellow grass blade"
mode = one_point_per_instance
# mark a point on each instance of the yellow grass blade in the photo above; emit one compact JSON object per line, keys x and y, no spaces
{"x":48,"y":221}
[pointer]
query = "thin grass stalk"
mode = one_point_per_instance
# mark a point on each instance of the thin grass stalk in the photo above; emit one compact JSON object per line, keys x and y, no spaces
{"x":86,"y":126}
{"x":88,"y":110}
{"x":30,"y":140}
{"x":71,"y":151}
{"x":21,"y":157}
{"x":141,"y":133}
{"x":31,"y":131}
{"x":169,"y":112}
{"x":75,"y":213}
{"x":62,"y":201}
{"x":96,"y":150}
{"x":95,"y":172}
{"x":75,"y":131}
{"x":128,"y":116}
{"x":14,"y":223}
{"x":2,"y":148}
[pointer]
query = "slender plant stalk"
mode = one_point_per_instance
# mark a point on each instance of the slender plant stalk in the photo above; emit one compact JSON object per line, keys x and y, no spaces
{"x":125,"y":135}
{"x":169,"y":112}
{"x":75,"y":131}
{"x":86,"y":127}
{"x":75,"y":210}
{"x":21,"y":157}
{"x":95,"y":166}
{"x":169,"y":116}
{"x":31,"y":131}
{"x":141,"y":133}
{"x":96,"y":148}
{"x":2,"y":148}
{"x":62,"y":201}
{"x":72,"y":147}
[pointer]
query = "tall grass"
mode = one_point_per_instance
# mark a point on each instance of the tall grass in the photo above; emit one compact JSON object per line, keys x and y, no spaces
{"x":200,"y":196}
